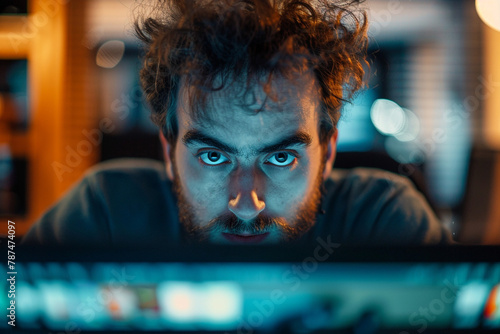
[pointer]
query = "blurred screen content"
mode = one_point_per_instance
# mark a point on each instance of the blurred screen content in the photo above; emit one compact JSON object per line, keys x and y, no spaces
{"x":256,"y":296}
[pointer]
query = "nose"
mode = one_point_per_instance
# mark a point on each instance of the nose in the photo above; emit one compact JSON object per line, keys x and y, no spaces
{"x":245,"y":202}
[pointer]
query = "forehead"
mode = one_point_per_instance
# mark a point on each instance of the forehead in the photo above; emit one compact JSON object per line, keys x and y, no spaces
{"x":248,"y":112}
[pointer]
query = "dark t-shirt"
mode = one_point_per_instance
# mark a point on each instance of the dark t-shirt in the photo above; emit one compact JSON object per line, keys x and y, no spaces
{"x":130,"y":202}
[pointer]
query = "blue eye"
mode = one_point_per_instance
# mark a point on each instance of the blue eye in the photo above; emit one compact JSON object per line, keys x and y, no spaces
{"x":282,"y":159}
{"x":213,"y":158}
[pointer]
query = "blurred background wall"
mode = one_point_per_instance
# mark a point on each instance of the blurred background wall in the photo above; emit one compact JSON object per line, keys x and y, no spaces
{"x":70,"y":98}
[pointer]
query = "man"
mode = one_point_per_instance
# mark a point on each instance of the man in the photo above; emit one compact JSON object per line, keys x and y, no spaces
{"x":247,"y":96}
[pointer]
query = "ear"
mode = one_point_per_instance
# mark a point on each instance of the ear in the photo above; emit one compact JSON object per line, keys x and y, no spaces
{"x":167,"y":150}
{"x":331,"y":152}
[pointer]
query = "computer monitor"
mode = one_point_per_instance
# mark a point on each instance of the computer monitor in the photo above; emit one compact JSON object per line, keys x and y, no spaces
{"x":322,"y":288}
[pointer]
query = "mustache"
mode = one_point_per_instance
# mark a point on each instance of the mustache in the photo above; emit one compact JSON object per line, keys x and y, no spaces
{"x":232,"y":224}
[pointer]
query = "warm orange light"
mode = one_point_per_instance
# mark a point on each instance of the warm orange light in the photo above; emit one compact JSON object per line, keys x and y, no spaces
{"x":491,"y":305}
{"x":489,"y":12}
{"x":491,"y":96}
{"x":1,"y":105}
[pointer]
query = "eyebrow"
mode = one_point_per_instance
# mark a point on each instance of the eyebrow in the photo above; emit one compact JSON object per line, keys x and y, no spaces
{"x":299,"y":138}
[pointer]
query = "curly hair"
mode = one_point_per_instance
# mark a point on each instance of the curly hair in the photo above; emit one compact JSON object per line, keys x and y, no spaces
{"x":209,"y":43}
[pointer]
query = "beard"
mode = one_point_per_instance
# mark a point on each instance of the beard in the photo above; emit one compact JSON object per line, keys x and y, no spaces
{"x":304,"y":219}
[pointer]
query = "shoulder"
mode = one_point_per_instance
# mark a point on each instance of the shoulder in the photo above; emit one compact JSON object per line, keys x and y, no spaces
{"x":371,"y":205}
{"x":133,"y":168}
{"x":133,"y":184}
{"x":117,"y":202}
{"x":366,"y":184}
{"x":129,"y":174}
{"x":366,"y":177}
{"x":368,"y":188}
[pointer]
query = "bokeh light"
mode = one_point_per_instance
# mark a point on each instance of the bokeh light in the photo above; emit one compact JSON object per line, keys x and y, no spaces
{"x":110,"y":54}
{"x":387,"y":116}
{"x":489,"y":12}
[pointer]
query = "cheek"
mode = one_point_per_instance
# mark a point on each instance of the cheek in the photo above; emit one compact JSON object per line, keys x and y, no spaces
{"x":287,"y":192}
{"x":204,"y":189}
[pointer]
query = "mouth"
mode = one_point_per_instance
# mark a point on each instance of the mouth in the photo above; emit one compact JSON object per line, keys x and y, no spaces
{"x":245,"y":238}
